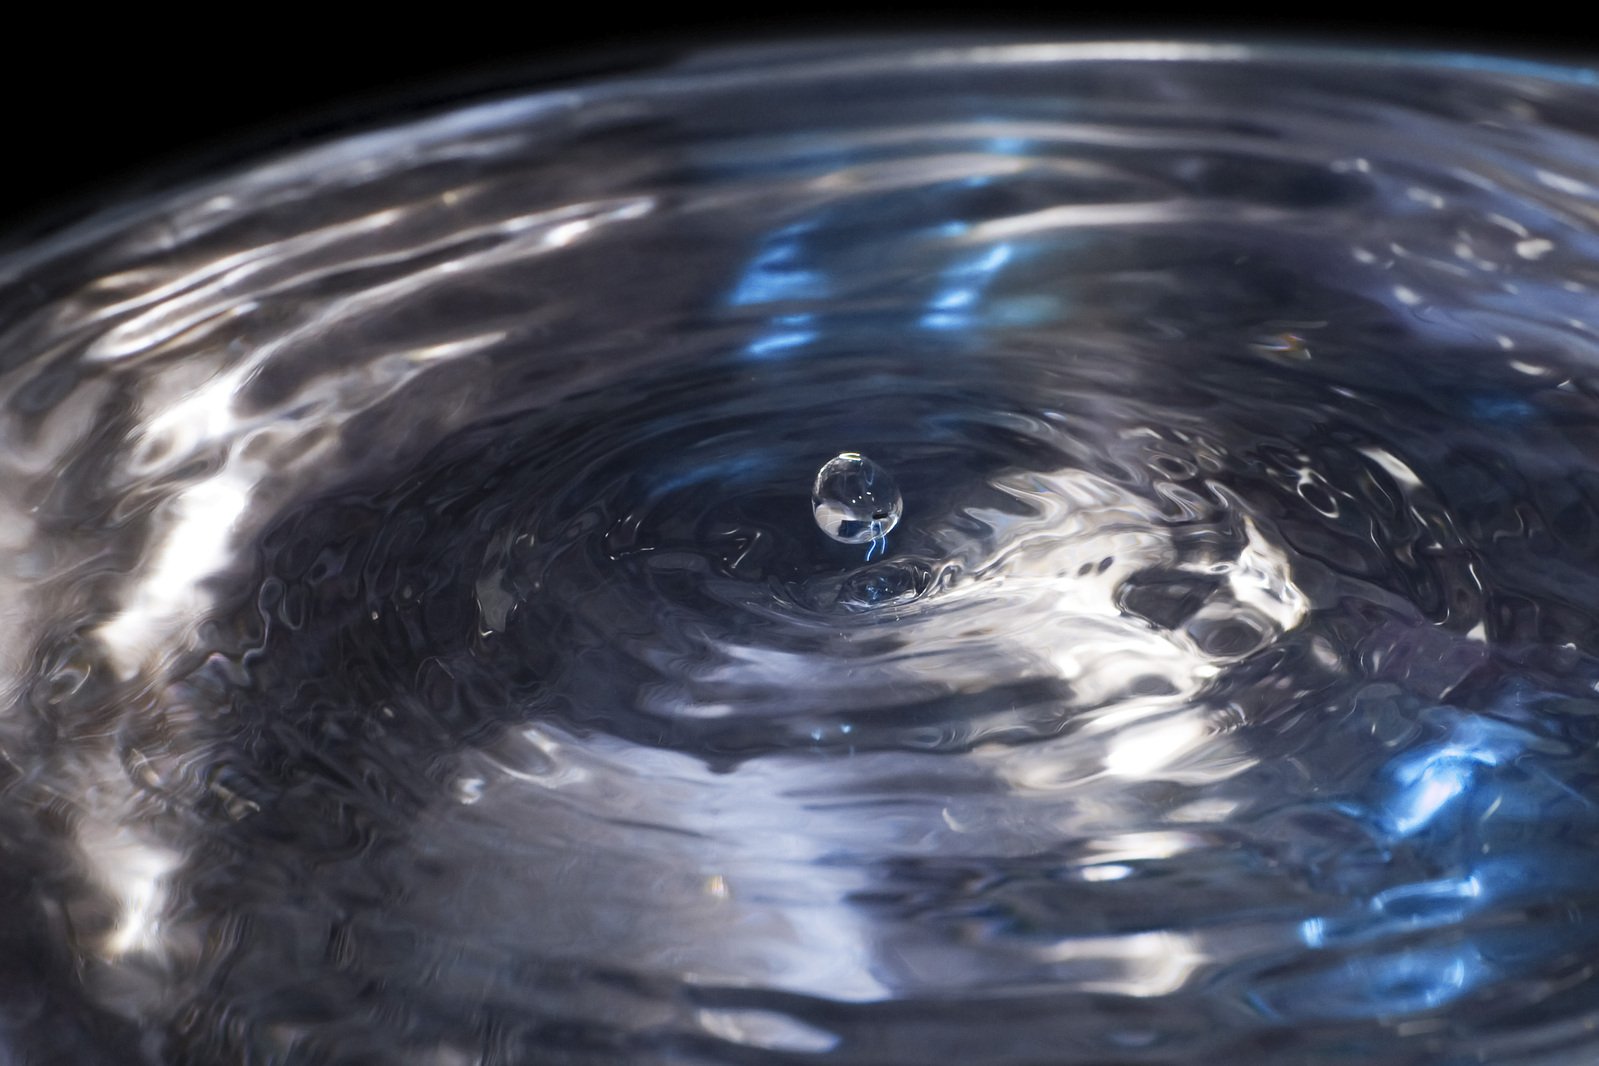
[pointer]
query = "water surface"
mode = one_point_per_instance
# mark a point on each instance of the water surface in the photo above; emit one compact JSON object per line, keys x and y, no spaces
{"x":419,"y":645}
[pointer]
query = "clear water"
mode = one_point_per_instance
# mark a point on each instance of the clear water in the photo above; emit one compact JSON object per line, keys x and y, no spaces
{"x":856,"y":501}
{"x":418,"y":643}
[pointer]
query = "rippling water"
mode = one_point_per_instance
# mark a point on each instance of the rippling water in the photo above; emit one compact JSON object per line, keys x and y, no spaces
{"x":419,"y":645}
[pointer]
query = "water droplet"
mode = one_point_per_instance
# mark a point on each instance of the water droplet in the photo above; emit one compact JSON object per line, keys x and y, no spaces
{"x":855,"y":500}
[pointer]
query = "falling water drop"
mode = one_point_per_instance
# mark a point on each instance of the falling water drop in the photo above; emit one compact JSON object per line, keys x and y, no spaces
{"x":856,"y":501}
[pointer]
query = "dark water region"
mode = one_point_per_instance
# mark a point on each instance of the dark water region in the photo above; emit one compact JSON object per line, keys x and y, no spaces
{"x":422,"y":644}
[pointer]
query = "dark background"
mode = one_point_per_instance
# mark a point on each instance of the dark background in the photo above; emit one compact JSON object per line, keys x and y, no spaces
{"x":94,"y":109}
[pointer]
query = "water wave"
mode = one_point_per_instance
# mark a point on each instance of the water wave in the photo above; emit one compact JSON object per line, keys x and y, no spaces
{"x":419,"y":646}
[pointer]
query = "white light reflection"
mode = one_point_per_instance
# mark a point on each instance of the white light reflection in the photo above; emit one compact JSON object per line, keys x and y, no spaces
{"x":1085,"y":216}
{"x":133,"y":872}
{"x":1063,"y":569}
{"x":221,"y":289}
{"x":1155,"y":963}
{"x":167,"y":594}
{"x":1399,"y":471}
{"x":767,"y":1030}
{"x":1143,"y":846}
{"x":766,"y":901}
{"x":1260,"y":579}
{"x":190,"y":421}
{"x":1144,"y":751}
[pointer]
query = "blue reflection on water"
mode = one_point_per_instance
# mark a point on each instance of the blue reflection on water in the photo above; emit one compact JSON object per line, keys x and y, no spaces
{"x":778,"y":272}
{"x":783,"y":272}
{"x":1486,"y":817}
{"x":788,"y":332}
{"x":795,"y":269}
{"x":957,"y":303}
{"x":1425,"y":781}
{"x":1522,"y":68}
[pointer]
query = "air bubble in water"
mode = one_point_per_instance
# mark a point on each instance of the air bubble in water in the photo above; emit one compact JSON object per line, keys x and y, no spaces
{"x":855,"y":500}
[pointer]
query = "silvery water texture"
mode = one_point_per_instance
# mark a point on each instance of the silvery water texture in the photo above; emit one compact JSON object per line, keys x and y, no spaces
{"x":417,"y":644}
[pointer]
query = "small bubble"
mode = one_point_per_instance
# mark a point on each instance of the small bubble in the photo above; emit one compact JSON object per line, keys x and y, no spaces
{"x":855,"y":500}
